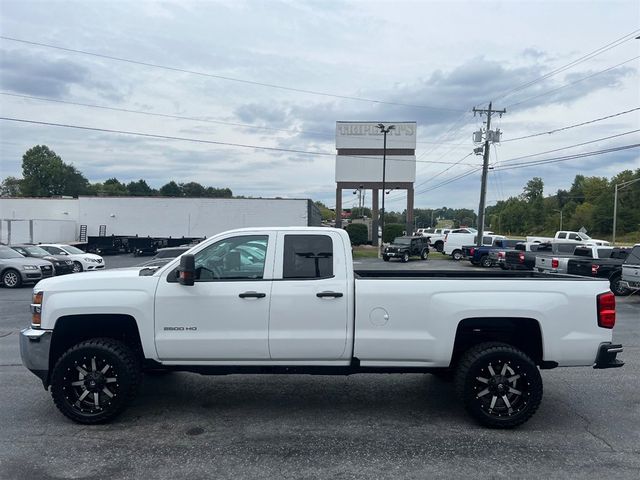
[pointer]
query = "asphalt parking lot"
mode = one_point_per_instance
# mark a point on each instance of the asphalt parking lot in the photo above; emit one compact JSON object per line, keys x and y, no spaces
{"x":364,"y":426}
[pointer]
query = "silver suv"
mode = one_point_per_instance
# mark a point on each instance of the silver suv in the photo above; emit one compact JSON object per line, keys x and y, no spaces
{"x":16,"y":269}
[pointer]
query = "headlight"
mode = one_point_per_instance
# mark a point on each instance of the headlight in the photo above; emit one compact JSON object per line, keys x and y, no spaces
{"x":30,"y":267}
{"x":36,"y":309}
{"x":92,"y":260}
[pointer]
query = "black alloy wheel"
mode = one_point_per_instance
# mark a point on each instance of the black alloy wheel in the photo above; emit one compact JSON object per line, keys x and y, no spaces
{"x":486,"y":262}
{"x":500,"y":386}
{"x":618,"y":288}
{"x":95,"y":380}
{"x":11,"y":278}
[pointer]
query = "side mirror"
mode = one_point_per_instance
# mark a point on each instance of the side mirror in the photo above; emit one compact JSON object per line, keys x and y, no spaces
{"x":187,"y":270}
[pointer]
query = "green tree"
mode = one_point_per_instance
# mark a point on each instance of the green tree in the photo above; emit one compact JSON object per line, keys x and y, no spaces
{"x":327,"y":214}
{"x":113,"y":188}
{"x":45,"y":174}
{"x":171,"y":189}
{"x":140,"y":189}
{"x":358,"y":233}
{"x":212,"y":192}
{"x":391,"y":231}
{"x":192,"y":189}
{"x":10,"y":187}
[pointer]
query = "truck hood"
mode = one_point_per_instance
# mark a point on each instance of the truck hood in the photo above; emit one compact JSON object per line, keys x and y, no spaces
{"x":116,"y":279}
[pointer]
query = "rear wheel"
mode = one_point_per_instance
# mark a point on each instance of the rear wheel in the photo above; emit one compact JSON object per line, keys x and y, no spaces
{"x":500,"y":386}
{"x":457,"y":255}
{"x":485,"y":261}
{"x":618,"y":288}
{"x":424,"y":254}
{"x":11,"y":278}
{"x":439,"y":245}
{"x":95,"y":380}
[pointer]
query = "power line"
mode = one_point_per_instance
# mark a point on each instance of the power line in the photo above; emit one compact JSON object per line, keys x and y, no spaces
{"x":567,"y":157}
{"x":195,"y":140}
{"x":195,"y":119}
{"x":588,"y":56}
{"x":571,"y":83}
{"x":571,"y":126}
{"x":223,"y":77}
{"x":571,"y":146}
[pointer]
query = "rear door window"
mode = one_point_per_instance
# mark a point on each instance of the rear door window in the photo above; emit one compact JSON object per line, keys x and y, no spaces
{"x":634,"y":256}
{"x":307,"y":257}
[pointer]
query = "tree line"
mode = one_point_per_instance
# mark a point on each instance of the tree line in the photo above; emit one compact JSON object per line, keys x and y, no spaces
{"x":45,"y":174}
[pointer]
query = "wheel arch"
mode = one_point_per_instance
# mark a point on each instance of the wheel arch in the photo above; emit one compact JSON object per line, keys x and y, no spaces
{"x":73,"y":329}
{"x":520,"y":332}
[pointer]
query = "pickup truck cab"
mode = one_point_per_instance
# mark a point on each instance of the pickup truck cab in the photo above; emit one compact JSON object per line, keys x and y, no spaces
{"x":631,"y":269}
{"x":456,"y":240}
{"x":559,"y":261}
{"x":607,"y":266}
{"x":287,"y":300}
{"x":403,"y":248}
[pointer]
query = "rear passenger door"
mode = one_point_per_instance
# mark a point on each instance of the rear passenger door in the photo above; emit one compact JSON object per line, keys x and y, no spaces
{"x":309,"y":298}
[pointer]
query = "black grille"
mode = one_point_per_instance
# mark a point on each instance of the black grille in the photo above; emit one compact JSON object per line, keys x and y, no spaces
{"x":47,"y":270}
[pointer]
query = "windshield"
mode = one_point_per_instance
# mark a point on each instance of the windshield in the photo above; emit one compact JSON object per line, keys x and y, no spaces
{"x":6,"y":253}
{"x":36,"y":251}
{"x":584,"y":236}
{"x":72,"y":250}
{"x":402,"y":241}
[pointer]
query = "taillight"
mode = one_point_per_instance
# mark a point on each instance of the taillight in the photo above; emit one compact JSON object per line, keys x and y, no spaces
{"x":472,"y":251}
{"x":594,"y":269}
{"x":500,"y":254}
{"x":554,"y":263}
{"x":606,"y":310}
{"x":521,"y":257}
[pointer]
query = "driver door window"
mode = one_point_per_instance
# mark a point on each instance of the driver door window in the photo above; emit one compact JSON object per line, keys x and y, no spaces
{"x":55,"y":251}
{"x":236,"y":258}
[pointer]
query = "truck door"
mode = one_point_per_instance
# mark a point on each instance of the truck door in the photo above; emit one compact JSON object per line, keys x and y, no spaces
{"x":225,"y":314}
{"x":309,"y":298}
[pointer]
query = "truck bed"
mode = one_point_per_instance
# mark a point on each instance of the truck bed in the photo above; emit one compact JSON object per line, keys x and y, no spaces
{"x":472,"y":274}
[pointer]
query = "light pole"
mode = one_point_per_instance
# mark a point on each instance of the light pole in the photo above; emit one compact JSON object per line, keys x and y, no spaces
{"x":384,"y":130}
{"x":560,"y":217}
{"x":615,"y":204}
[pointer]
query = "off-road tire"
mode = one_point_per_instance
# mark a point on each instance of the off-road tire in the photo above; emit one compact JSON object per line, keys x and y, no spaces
{"x":617,"y":288}
{"x":424,"y":254}
{"x":439,"y":245}
{"x":121,"y":378}
{"x":405,"y":258}
{"x":513,"y":371}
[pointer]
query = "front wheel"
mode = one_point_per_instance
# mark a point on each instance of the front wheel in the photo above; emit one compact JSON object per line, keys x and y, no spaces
{"x":500,"y":386}
{"x":95,"y":380}
{"x":405,"y":257}
{"x":385,"y":258}
{"x":424,"y":254}
{"x":11,"y":278}
{"x":77,"y":267}
{"x":457,"y":255}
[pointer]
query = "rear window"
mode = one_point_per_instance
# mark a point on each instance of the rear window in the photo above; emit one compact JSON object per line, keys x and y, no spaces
{"x":582,"y":252}
{"x":605,"y":252}
{"x":634,"y":256}
{"x":307,"y":257}
{"x":565,"y":248}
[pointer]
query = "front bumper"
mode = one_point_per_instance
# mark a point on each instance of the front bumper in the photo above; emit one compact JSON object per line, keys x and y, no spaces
{"x":34,"y":350}
{"x":606,"y":357}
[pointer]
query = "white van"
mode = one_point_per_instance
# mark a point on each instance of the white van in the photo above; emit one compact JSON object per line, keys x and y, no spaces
{"x":454,"y":242}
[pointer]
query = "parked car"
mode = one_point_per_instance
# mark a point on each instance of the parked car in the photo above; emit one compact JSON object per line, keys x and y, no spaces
{"x":609,"y":268}
{"x":631,"y":269}
{"x":568,"y":236}
{"x":456,"y":240}
{"x":82,"y":261}
{"x":16,"y":269}
{"x":436,"y":236}
{"x":558,"y":262}
{"x":302,"y":309}
{"x":405,"y":247}
{"x":480,"y":255}
{"x":61,"y":264}
{"x":523,"y":256}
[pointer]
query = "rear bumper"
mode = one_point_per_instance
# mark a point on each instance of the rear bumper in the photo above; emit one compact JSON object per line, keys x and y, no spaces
{"x":34,"y":351}
{"x":607,"y":356}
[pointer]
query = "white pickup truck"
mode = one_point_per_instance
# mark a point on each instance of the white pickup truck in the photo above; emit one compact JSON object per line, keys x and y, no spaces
{"x":568,"y":236}
{"x":558,"y":262}
{"x":287,"y":300}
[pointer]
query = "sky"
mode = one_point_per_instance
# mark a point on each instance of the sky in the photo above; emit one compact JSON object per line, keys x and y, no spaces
{"x":222,"y":65}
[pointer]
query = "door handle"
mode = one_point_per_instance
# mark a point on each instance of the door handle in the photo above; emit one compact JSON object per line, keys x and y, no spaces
{"x":328,"y":294}
{"x":252,"y":295}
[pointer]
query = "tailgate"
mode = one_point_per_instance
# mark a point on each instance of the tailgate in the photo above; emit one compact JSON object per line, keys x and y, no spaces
{"x":579,"y":267}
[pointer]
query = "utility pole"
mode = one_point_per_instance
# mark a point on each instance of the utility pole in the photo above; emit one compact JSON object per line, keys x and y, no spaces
{"x":384,"y":130}
{"x":490,"y":137}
